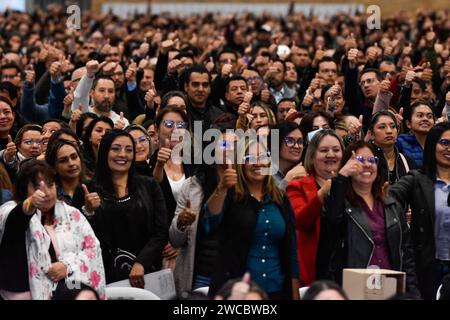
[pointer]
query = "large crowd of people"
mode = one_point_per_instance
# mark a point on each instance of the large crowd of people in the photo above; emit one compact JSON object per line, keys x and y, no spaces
{"x":92,"y":192}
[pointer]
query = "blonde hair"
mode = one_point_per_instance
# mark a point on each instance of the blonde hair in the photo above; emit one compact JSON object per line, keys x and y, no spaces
{"x":269,"y":183}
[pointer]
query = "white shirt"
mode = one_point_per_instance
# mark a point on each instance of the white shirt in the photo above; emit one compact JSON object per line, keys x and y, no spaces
{"x":176,"y":186}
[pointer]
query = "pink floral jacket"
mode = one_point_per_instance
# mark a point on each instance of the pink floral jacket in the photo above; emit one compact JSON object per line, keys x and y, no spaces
{"x":79,"y":250}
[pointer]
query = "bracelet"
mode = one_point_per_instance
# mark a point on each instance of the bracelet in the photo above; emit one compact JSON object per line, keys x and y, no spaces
{"x":87,"y":213}
{"x":27,"y":204}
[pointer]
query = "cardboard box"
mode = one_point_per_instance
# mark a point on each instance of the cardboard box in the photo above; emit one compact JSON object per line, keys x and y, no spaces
{"x":373,"y":284}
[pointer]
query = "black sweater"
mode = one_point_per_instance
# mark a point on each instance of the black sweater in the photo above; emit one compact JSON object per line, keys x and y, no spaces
{"x":13,"y":254}
{"x":136,"y":224}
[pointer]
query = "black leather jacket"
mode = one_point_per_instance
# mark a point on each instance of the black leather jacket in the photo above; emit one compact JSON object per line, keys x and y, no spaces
{"x":351,"y":235}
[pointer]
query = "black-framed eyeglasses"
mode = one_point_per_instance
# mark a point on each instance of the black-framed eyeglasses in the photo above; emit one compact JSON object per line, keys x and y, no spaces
{"x":179,"y":124}
{"x":291,"y":142}
{"x":371,"y":160}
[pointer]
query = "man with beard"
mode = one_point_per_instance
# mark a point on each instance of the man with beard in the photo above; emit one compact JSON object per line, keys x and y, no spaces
{"x":103,"y":94}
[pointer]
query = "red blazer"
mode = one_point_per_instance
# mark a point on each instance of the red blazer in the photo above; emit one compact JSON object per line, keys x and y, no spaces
{"x":307,"y":207}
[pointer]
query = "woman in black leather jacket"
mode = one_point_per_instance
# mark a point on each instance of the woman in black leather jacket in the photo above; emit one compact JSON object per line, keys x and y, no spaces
{"x":426,"y":191}
{"x":368,"y":230}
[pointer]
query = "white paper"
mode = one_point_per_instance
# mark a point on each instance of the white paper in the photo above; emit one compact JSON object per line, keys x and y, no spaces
{"x":160,"y":283}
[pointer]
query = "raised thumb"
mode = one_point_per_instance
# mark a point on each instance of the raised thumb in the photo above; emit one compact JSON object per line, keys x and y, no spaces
{"x":85,"y":189}
{"x":166,"y":143}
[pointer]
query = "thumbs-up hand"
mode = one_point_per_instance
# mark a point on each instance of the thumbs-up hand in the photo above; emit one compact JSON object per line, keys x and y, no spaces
{"x":166,"y":46}
{"x":210,"y":64}
{"x":352,"y":168}
{"x":130,"y":74}
{"x":174,"y":65}
{"x":407,"y":50}
{"x":120,"y":124}
{"x":150,"y":96}
{"x":265,"y":93}
{"x":315,"y":83}
{"x":399,"y":117}
{"x":11,"y":150}
{"x":91,"y":200}
{"x":248,"y":96}
{"x":30,"y":75}
{"x":186,"y":217}
{"x":372,"y":53}
{"x":76,"y":115}
{"x":352,"y":55}
{"x":318,"y":56}
{"x":228,"y":178}
{"x":427,"y":73}
{"x":144,"y":48}
{"x":92,"y":67}
{"x":323,"y":191}
{"x":385,"y":85}
{"x":409,"y":78}
{"x":55,"y":69}
{"x":241,"y":288}
{"x":226,"y":69}
{"x":164,"y":152}
{"x":38,"y":199}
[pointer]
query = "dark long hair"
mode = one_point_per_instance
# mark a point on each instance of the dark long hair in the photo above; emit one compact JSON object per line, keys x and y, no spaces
{"x":80,"y":122}
{"x":377,"y":186}
{"x":429,"y":152}
{"x":103,"y":173}
{"x":87,"y":147}
{"x":51,"y":156}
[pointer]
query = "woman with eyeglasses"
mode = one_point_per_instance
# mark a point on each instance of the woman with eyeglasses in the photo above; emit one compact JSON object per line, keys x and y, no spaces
{"x":95,"y":131}
{"x":322,"y":160}
{"x":67,"y":161}
{"x":366,"y":229}
{"x":45,"y":243}
{"x":27,"y":145}
{"x":170,"y":125}
{"x":383,"y":133}
{"x":127,"y":212}
{"x":256,"y":226}
{"x":419,"y":119}
{"x":426,"y":191}
{"x":290,"y":153}
{"x":142,"y":141}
